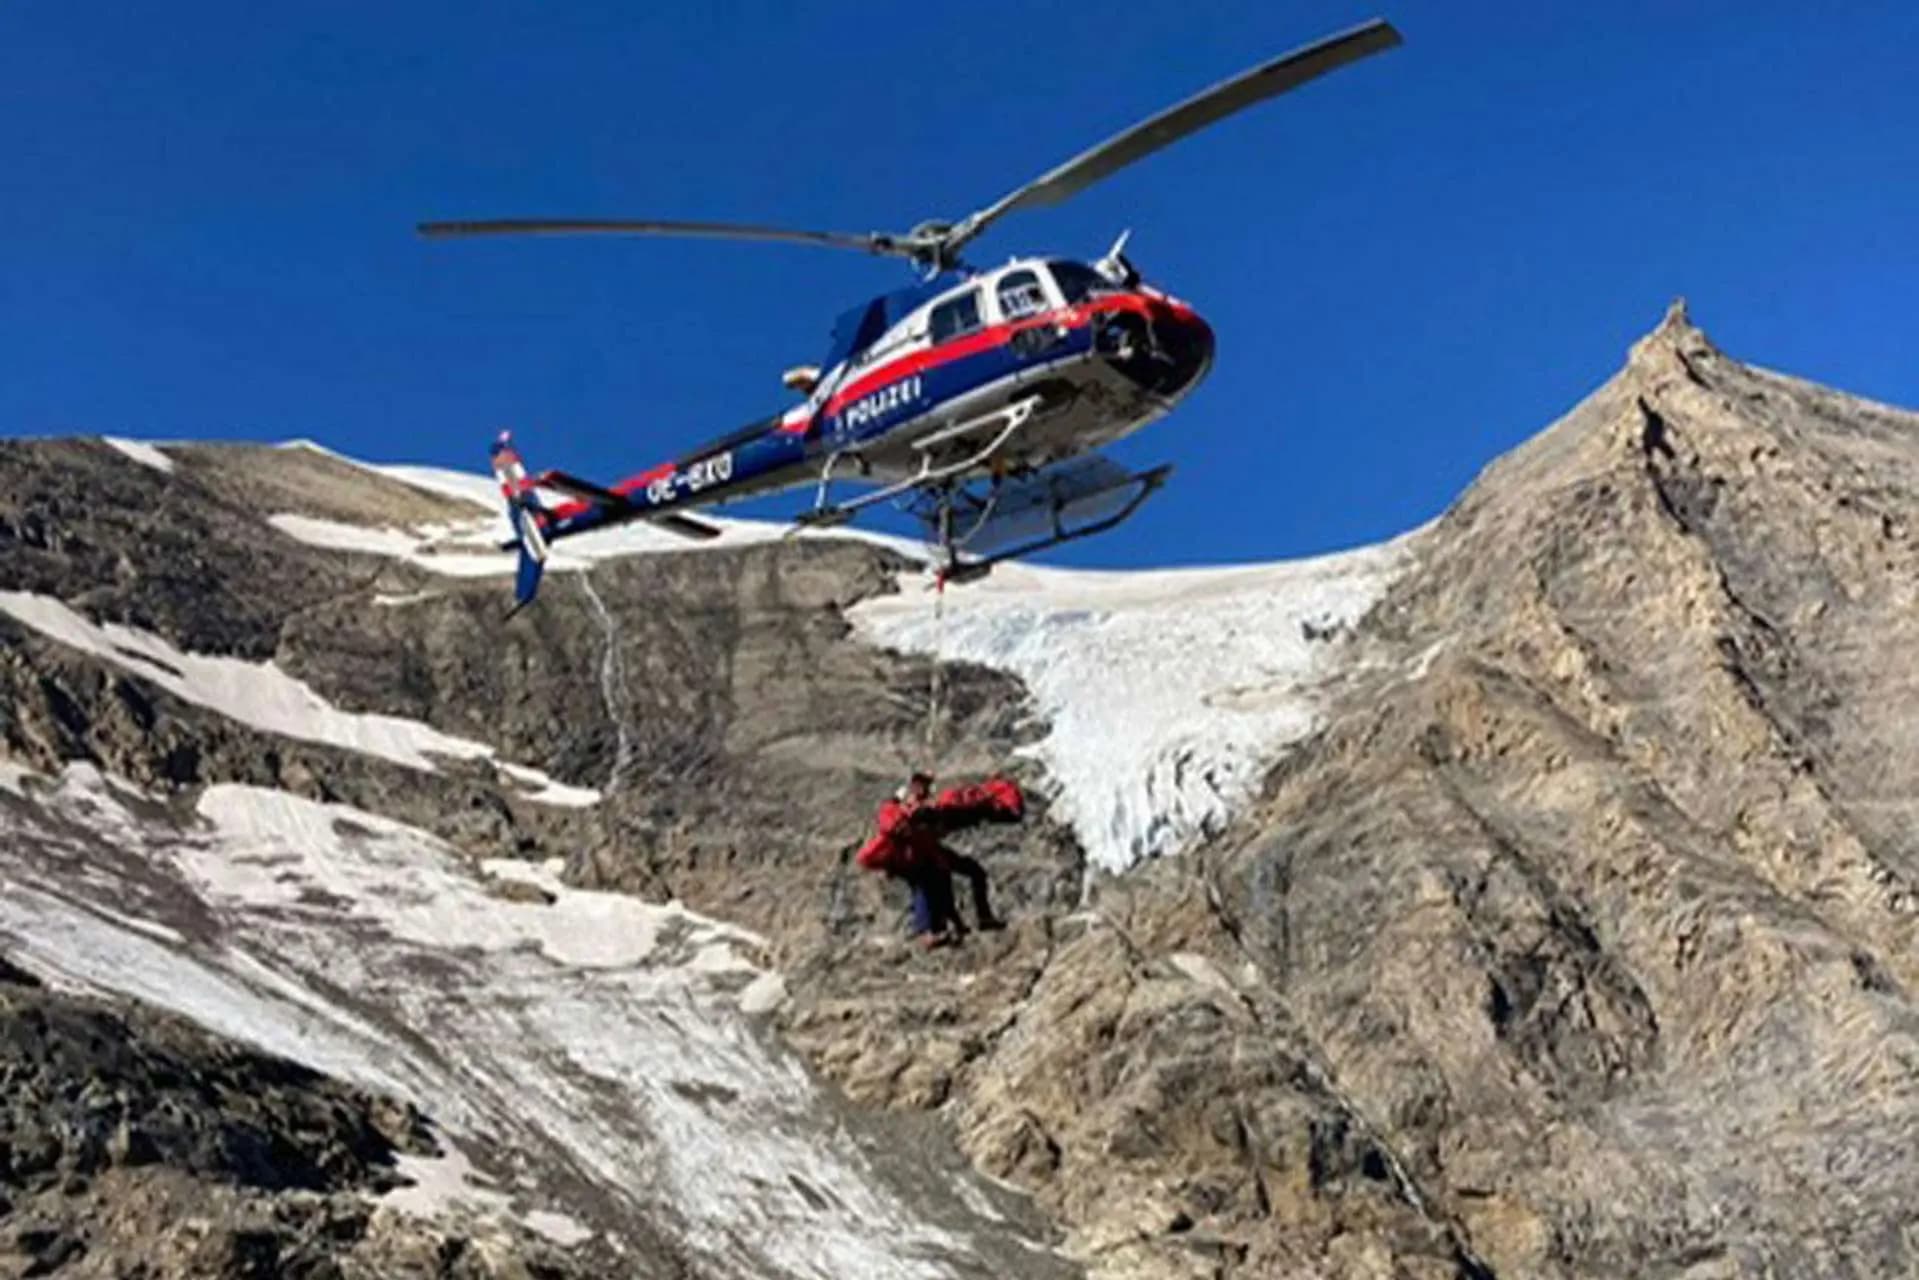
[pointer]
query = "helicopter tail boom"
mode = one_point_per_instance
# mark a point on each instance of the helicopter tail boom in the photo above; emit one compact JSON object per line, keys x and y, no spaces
{"x":536,"y":526}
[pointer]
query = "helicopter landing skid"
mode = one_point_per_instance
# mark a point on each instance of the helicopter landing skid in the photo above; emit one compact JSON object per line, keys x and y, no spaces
{"x":1008,"y":421}
{"x":955,"y":570}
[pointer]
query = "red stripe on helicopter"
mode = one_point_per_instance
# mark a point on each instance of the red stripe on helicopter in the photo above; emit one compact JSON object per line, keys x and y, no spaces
{"x":973,"y":343}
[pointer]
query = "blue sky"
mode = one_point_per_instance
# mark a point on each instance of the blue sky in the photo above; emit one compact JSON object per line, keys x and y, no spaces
{"x":206,"y":221}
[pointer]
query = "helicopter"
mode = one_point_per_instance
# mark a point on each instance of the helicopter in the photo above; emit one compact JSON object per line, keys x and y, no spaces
{"x":975,"y":399}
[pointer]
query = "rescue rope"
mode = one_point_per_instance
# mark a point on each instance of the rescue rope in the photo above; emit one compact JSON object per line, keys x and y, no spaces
{"x":936,"y":694}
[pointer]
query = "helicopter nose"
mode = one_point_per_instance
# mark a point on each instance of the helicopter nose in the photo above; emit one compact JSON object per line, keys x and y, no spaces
{"x":1186,"y":342}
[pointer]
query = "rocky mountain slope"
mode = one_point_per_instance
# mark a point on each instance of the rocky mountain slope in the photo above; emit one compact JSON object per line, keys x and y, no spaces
{"x":131,"y":1135}
{"x":239,"y":811}
{"x":1532,"y":897}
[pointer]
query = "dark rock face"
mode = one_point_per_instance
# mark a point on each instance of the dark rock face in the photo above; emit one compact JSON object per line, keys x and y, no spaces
{"x":1578,"y":941}
{"x":156,"y":1222}
{"x":154,"y":1090}
{"x":134,"y":1143}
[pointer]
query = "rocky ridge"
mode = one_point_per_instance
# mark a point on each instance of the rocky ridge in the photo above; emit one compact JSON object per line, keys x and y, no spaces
{"x":1584,"y":932}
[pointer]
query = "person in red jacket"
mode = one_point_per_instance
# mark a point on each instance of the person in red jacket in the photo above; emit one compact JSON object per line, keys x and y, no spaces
{"x":910,"y":845}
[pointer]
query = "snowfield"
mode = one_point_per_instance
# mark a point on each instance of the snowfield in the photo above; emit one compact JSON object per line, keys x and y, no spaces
{"x":599,"y":1050}
{"x":261,"y":695}
{"x":1169,"y":693}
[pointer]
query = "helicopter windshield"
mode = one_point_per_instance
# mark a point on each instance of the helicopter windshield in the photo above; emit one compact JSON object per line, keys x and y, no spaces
{"x":1077,"y":281}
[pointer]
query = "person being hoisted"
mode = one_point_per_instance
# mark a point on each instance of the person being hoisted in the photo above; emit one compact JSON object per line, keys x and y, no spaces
{"x":910,"y":845}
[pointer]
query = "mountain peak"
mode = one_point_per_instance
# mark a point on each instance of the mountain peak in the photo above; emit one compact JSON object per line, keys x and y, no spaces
{"x":1670,"y":346}
{"x":1677,"y":317}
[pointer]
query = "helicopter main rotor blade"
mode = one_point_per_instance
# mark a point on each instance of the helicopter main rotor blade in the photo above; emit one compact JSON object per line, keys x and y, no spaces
{"x":872,"y":242}
{"x":1288,"y":71}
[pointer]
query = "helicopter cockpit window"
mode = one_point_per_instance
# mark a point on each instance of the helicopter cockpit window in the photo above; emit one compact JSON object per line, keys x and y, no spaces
{"x":1077,"y":281}
{"x":1020,"y":294}
{"x":955,"y":316}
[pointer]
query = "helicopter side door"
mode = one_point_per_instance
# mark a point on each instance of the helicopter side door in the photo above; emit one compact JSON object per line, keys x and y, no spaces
{"x":866,"y":401}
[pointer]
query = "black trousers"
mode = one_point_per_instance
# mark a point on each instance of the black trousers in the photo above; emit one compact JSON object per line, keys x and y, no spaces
{"x":933,"y":907}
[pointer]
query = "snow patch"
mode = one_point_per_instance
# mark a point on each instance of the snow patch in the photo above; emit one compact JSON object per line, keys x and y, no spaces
{"x":291,"y":850}
{"x":13,"y":778}
{"x":254,"y":693}
{"x":558,"y":1228}
{"x":463,"y":550}
{"x":74,"y":947}
{"x":444,"y":1186}
{"x":312,"y":446}
{"x":261,"y":695}
{"x":764,"y":994}
{"x":546,"y":790}
{"x":144,"y":454}
{"x":1169,"y":693}
{"x":596,"y":1039}
{"x":344,"y":537}
{"x":449,"y":1186}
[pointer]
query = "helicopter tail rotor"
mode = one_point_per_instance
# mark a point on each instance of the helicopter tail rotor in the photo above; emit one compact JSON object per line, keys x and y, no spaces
{"x":524,"y":514}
